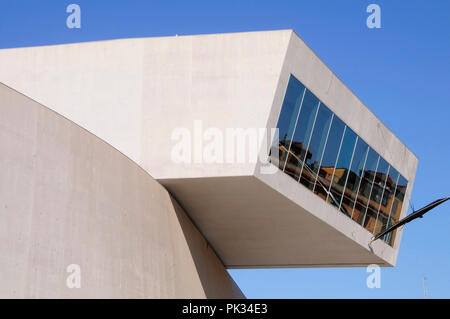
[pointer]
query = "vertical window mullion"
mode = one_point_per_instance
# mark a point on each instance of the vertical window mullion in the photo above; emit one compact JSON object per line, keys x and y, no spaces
{"x":335,"y":163}
{"x":359,"y":184}
{"x":370,"y":193}
{"x":323,"y":151}
{"x":348,"y":173}
{"x":295,"y":127}
{"x":393,"y":199}
{"x":309,"y":141}
{"x":381,"y":199}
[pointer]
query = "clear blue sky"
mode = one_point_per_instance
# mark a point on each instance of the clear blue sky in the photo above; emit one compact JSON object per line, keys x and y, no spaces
{"x":401,"y":72}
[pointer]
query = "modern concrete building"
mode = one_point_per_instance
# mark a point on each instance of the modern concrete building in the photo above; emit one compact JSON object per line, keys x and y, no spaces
{"x":178,"y":206}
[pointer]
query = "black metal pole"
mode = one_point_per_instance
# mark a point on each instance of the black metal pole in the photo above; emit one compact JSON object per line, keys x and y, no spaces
{"x":412,"y":216}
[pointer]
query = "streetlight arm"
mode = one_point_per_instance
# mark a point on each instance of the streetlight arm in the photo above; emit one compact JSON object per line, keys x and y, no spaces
{"x":412,"y":216}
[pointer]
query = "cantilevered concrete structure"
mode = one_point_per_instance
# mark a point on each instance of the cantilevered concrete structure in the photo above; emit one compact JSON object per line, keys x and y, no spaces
{"x":136,"y":94}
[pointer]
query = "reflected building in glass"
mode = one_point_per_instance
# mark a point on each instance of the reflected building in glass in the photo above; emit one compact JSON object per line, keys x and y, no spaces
{"x":322,"y":153}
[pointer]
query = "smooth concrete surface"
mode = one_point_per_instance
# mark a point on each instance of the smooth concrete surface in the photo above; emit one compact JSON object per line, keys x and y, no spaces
{"x":67,"y":197}
{"x":134,"y":93}
{"x":256,"y":227}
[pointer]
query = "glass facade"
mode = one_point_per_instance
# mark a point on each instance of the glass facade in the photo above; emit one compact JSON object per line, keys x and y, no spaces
{"x":319,"y":151}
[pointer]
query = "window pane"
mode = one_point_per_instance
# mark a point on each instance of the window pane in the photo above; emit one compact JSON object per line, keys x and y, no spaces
{"x":375,"y":196}
{"x":302,"y":133}
{"x":342,"y":169}
{"x":354,"y":177}
{"x":318,"y":150}
{"x":316,"y":146}
{"x":384,"y":219}
{"x":365,"y":186}
{"x":286,"y":121}
{"x":329,"y":157}
{"x":398,"y":203}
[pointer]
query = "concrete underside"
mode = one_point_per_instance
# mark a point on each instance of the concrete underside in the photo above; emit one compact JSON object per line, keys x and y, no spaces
{"x":67,"y":197}
{"x":243,"y":227}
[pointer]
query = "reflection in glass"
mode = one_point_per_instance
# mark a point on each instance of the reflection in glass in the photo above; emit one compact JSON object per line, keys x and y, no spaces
{"x":329,"y":158}
{"x":342,"y":169}
{"x":398,"y":203}
{"x":317,"y":149}
{"x":354,"y":177}
{"x":286,"y":121}
{"x":302,"y":134}
{"x":316,"y":146}
{"x":365,"y":186}
{"x":376,"y":194}
{"x":384,"y":219}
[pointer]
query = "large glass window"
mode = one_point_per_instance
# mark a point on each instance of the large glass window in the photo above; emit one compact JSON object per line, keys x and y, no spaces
{"x":321,"y":152}
{"x":286,"y":121}
{"x":316,"y":146}
{"x":341,"y":171}
{"x":302,"y":135}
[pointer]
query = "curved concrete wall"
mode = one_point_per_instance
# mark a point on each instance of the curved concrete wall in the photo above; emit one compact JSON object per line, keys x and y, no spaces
{"x":67,"y":197}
